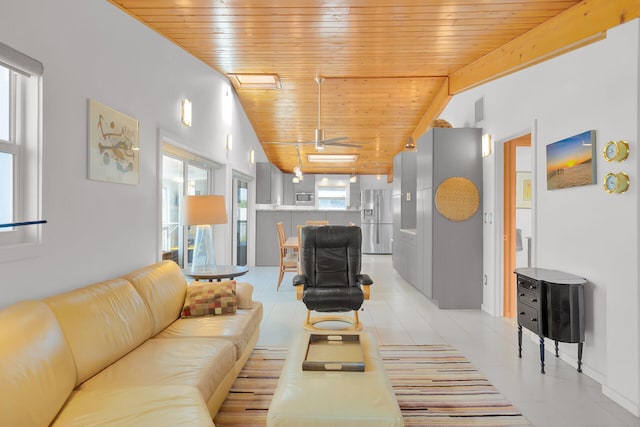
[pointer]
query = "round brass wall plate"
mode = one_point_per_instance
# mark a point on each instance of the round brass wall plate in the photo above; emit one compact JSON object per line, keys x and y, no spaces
{"x":616,"y":151}
{"x":457,"y":199}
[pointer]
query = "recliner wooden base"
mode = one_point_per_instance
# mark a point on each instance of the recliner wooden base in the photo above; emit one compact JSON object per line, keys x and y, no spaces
{"x":355,"y":325}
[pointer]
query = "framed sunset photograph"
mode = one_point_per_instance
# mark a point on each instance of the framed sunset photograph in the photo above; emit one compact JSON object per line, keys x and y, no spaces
{"x":571,"y":161}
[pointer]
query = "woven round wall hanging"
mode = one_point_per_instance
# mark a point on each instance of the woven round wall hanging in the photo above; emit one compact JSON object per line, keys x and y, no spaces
{"x":457,"y":199}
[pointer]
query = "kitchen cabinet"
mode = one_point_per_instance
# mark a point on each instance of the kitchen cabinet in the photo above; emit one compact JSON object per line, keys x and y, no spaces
{"x":289,"y":194}
{"x":301,"y":217}
{"x":449,"y":250}
{"x":403,"y":199}
{"x":354,"y":195}
{"x":307,"y":185}
{"x":404,"y":184}
{"x":267,"y":245}
{"x":269,"y":184}
{"x":404,"y":255}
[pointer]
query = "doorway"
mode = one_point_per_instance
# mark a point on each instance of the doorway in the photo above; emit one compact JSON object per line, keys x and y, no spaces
{"x":240,"y":215}
{"x":182,"y":173}
{"x":517,"y":192}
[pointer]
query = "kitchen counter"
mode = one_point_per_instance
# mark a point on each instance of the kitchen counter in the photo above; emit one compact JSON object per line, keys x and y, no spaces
{"x":270,"y":207}
{"x":411,"y":231}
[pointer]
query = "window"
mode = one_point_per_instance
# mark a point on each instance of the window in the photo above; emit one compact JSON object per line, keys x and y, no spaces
{"x":20,"y":151}
{"x":182,"y":174}
{"x":240,"y":214}
{"x":332,"y":194}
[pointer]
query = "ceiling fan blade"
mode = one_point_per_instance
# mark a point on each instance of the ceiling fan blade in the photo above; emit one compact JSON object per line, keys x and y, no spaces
{"x":288,"y":142}
{"x":332,"y":140}
{"x":343,"y":144}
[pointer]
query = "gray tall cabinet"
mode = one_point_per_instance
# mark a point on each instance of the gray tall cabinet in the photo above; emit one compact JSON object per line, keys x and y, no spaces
{"x":404,"y":216}
{"x":449,"y":251}
{"x":269,"y":184}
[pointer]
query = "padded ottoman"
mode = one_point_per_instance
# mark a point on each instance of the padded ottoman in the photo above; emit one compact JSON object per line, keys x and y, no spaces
{"x":334,"y":398}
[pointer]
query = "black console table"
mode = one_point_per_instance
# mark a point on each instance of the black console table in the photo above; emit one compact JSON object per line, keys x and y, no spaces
{"x":551,"y":304}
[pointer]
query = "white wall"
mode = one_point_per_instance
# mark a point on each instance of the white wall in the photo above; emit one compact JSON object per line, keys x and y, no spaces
{"x":583,"y":230}
{"x":91,"y":49}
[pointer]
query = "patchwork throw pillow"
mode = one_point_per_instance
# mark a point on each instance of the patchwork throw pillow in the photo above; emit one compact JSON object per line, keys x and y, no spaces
{"x":210,"y":298}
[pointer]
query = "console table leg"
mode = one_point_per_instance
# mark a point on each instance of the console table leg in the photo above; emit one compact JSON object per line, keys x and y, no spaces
{"x":556,"y":341}
{"x":579,"y":357}
{"x":520,"y":341}
{"x":542,"y":355}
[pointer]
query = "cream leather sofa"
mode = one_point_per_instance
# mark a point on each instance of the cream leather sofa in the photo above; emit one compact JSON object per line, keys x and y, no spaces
{"x":117,"y":353}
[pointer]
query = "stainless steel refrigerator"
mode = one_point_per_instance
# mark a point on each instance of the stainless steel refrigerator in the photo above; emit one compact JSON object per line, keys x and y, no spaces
{"x":376,"y":221}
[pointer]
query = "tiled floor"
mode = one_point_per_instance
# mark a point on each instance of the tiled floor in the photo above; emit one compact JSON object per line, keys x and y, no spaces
{"x":398,"y":314}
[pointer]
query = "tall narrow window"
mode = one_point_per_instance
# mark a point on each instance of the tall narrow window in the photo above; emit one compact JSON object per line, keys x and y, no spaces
{"x":240,"y":217}
{"x":6,"y":188}
{"x":20,"y":152}
{"x":172,"y":193}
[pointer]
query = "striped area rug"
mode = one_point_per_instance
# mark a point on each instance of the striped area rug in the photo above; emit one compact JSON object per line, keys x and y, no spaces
{"x":434,"y":384}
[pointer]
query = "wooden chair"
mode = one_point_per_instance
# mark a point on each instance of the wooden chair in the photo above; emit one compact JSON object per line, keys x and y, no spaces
{"x":300,"y":227}
{"x":288,"y":259}
{"x":316,"y":222}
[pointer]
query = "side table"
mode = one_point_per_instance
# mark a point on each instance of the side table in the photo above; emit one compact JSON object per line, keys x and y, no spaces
{"x":218,"y":273}
{"x":551,"y":304}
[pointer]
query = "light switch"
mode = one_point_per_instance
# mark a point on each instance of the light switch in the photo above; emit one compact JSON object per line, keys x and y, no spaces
{"x":408,"y":197}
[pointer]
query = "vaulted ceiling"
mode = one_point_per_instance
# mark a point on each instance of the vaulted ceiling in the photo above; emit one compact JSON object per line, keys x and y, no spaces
{"x":389,"y":67}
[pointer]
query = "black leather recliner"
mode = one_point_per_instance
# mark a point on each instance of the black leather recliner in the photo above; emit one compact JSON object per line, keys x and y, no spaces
{"x":330,"y":279}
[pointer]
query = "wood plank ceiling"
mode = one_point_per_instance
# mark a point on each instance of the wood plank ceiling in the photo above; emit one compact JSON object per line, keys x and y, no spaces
{"x":385,"y":63}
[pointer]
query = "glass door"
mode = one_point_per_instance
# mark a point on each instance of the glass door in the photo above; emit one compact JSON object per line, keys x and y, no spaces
{"x":197,"y":181}
{"x":240,"y":209}
{"x":172,"y":193}
{"x":180,"y":177}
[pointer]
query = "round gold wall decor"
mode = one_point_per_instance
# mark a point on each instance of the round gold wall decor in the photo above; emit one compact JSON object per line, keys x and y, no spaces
{"x":457,"y":199}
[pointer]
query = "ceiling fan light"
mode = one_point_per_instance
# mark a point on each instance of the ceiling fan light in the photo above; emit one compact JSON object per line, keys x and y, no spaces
{"x":410,"y":145}
{"x":331,"y":158}
{"x":295,"y":180}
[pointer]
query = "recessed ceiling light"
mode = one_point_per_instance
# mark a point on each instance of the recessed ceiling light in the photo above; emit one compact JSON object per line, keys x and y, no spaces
{"x":331,"y":158}
{"x":255,"y":81}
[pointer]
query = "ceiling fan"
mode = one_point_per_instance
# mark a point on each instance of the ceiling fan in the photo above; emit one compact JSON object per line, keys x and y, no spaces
{"x":320,"y":142}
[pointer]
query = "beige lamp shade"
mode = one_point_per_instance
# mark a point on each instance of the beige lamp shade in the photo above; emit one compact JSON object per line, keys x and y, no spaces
{"x":202,"y":210}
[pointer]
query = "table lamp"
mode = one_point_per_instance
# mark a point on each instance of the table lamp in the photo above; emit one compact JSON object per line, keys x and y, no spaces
{"x":203,"y":211}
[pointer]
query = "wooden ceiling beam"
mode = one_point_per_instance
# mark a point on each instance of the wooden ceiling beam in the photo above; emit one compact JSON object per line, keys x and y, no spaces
{"x":578,"y":26}
{"x":440,"y":101}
